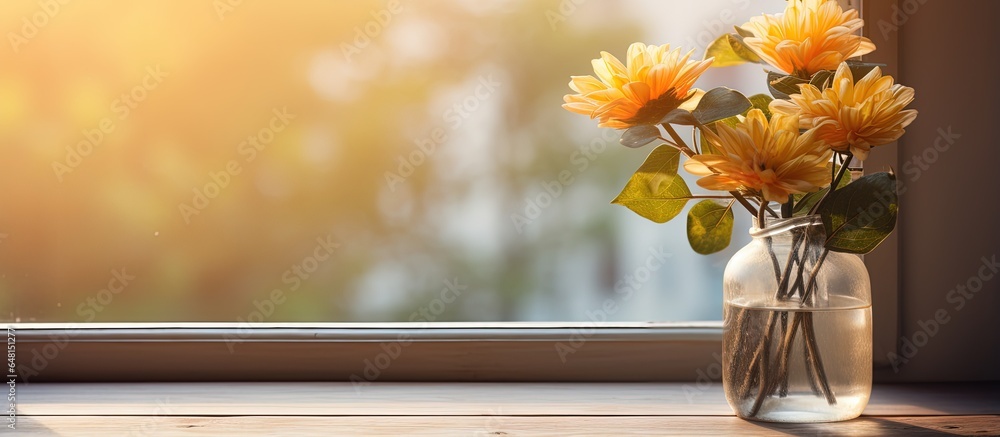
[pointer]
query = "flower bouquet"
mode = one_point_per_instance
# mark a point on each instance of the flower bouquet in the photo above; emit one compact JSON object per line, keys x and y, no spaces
{"x":797,"y":329}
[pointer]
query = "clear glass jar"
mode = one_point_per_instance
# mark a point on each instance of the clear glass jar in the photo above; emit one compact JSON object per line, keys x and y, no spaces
{"x":797,"y":342}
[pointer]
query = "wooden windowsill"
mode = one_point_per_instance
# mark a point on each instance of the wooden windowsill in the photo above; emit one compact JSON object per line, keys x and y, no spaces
{"x":484,"y":409}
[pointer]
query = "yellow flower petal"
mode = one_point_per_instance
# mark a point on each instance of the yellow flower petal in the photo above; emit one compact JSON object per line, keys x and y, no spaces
{"x":654,"y":81}
{"x":853,"y":116}
{"x":811,"y":35}
{"x":770,"y":159}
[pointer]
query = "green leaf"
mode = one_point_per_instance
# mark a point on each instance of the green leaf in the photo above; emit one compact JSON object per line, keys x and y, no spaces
{"x":638,"y":136}
{"x":728,"y":121}
{"x":858,"y":217}
{"x":762,"y":102}
{"x":716,"y":104}
{"x":729,"y":50}
{"x":783,"y":85}
{"x":710,"y":226}
{"x":679,"y":116}
{"x":821,"y":80}
{"x":805,"y":202}
{"x":743,"y":32}
{"x":706,"y":146}
{"x":719,"y":103}
{"x":656,"y":191}
{"x":861,"y":69}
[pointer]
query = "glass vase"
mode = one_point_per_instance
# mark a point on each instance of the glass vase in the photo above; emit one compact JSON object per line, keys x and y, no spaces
{"x":797,"y":342}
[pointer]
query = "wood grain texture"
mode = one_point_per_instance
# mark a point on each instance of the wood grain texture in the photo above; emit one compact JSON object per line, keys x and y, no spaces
{"x":496,"y":426}
{"x":455,"y":399}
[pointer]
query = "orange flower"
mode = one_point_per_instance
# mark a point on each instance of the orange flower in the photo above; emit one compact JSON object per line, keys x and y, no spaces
{"x":853,"y":116}
{"x":655,"y":81}
{"x":771,"y":160}
{"x":811,"y":35}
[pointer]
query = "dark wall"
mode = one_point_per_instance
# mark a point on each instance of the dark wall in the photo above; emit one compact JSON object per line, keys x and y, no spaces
{"x":949,"y":216}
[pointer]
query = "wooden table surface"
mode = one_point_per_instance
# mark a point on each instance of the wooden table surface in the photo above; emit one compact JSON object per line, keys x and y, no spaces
{"x":470,"y":409}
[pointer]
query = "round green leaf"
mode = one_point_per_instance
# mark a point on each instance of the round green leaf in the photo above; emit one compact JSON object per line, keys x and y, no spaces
{"x":762,"y":102}
{"x":710,"y":226}
{"x":728,"y":50}
{"x":719,"y":103}
{"x":638,"y":136}
{"x":656,"y":191}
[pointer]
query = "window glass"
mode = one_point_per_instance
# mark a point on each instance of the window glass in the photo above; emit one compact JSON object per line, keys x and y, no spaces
{"x":335,"y":161}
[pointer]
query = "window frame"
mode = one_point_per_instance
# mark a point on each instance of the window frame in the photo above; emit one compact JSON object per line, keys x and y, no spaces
{"x":366,"y":352}
{"x":883,"y":263}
